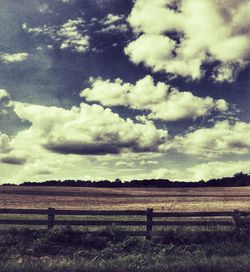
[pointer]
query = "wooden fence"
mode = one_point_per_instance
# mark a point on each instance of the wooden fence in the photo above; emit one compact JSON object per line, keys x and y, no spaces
{"x":149,"y":218}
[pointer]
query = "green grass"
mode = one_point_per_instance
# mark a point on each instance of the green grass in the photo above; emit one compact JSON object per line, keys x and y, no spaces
{"x":66,"y":249}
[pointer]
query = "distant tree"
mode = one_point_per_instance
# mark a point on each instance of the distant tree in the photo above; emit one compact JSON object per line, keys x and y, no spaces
{"x":118,"y":181}
{"x":240,"y":175}
{"x":239,"y":179}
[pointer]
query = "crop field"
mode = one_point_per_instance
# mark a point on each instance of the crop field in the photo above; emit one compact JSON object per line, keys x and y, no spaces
{"x":161,"y":199}
{"x":174,"y":249}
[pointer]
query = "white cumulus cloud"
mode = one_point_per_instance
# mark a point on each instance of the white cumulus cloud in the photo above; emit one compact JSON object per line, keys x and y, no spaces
{"x":223,"y":138}
{"x":159,"y":99}
{"x":4,"y":94}
{"x":15,"y":57}
{"x":217,"y":169}
{"x":86,"y":130}
{"x":4,"y":143}
{"x":70,"y":35}
{"x":180,"y":37}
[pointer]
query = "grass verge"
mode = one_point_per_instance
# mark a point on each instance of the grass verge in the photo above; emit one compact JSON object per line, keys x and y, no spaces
{"x":65,"y":249}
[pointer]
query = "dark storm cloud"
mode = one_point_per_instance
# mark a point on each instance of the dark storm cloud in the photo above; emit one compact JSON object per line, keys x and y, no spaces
{"x":13,"y":160}
{"x":96,"y":148}
{"x":83,"y":149}
{"x":239,"y":143}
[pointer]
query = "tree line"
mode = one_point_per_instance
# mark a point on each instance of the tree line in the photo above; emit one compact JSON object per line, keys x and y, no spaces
{"x":239,"y":179}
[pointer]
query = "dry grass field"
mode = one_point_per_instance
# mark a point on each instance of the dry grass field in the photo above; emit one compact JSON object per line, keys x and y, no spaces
{"x":176,"y":249}
{"x":162,"y":199}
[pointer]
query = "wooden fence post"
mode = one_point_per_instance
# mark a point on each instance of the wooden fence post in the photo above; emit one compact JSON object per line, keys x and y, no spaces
{"x":51,"y":217}
{"x":237,"y":221}
{"x":149,"y":224}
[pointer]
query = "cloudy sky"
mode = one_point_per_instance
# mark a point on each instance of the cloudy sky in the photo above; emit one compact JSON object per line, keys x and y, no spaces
{"x":129,"y":89}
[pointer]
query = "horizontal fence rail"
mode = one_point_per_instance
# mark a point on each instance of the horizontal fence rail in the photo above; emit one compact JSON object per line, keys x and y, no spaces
{"x":73,"y":212}
{"x":235,"y":219}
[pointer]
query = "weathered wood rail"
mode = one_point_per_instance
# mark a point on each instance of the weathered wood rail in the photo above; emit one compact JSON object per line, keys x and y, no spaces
{"x":234,"y":219}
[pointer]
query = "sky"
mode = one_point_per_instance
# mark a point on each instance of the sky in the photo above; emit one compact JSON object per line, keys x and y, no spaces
{"x":129,"y":89}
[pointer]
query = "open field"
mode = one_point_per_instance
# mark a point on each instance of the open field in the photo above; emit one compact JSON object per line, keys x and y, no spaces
{"x":61,"y":249}
{"x":162,"y":199}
